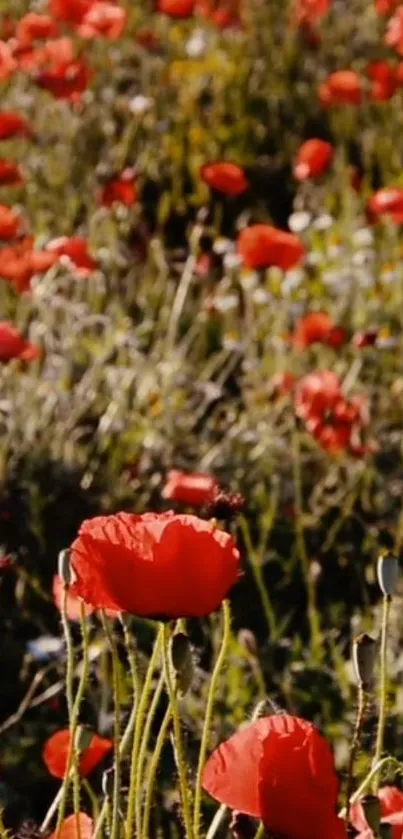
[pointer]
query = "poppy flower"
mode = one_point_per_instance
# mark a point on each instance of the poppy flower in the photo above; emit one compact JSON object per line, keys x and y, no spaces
{"x":69,"y":11}
{"x":56,"y":751}
{"x":74,"y":250}
{"x":154,"y":565}
{"x":20,"y":262}
{"x":224,"y":177}
{"x":385,"y":7}
{"x":261,"y":246}
{"x":177,"y":8}
{"x":391,"y":800}
{"x":35,"y":27}
{"x":121,"y":189}
{"x":76,"y":826}
{"x":10,"y":222}
{"x":103,"y":19}
{"x":14,"y":345}
{"x":335,"y":422}
{"x":13,"y":125}
{"x":8,"y":63}
{"x":387,"y":202}
{"x":313,"y":158}
{"x":54,"y":52}
{"x":278,"y":769}
{"x":67,"y":80}
{"x":341,"y":88}
{"x":384,"y":81}
{"x":311,"y":11}
{"x":10,"y":173}
{"x":195,"y":488}
{"x":73,"y":604}
{"x":317,"y":328}
{"x":222,"y":16}
{"x":394,"y":33}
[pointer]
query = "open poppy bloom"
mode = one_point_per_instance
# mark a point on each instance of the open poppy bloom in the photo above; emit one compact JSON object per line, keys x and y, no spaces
{"x":224,"y":177}
{"x":14,"y":345}
{"x":317,"y":328}
{"x":177,"y":8}
{"x":335,"y":422}
{"x":103,"y":19}
{"x":74,"y":251}
{"x":278,"y":769}
{"x":10,"y":222}
{"x":10,"y":173}
{"x":78,"y":826}
{"x":13,"y":125}
{"x":69,"y":11}
{"x":261,"y":246}
{"x":35,"y":27}
{"x":313,"y":158}
{"x":387,"y":202}
{"x":8,"y":63}
{"x":73,"y":604}
{"x":65,"y":80}
{"x":341,"y":88}
{"x":153,"y":565}
{"x":195,"y":488}
{"x":385,"y":7}
{"x":391,"y":800}
{"x":54,"y":52}
{"x":56,"y":751}
{"x":121,"y":190}
{"x":20,"y":262}
{"x":394,"y":33}
{"x":384,"y":80}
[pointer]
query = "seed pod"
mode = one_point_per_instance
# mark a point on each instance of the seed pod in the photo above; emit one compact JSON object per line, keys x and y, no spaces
{"x":364,"y":656}
{"x":247,"y":641}
{"x":388,"y":573}
{"x":385,"y":831}
{"x":182,"y":662}
{"x":107,"y":782}
{"x":372,"y":811}
{"x":83,"y":738}
{"x":63,"y":567}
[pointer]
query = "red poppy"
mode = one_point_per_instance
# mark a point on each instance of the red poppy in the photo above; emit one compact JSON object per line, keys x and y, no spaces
{"x":387,"y":202}
{"x":384,"y":81}
{"x":154,"y":565}
{"x":13,"y":125}
{"x":195,"y":488}
{"x":55,"y":52}
{"x":222,"y":16}
{"x":385,"y":7}
{"x":8,"y":63}
{"x":335,"y":422}
{"x":103,"y":19}
{"x":10,"y":173}
{"x":224,"y":177}
{"x":366,"y":338}
{"x":78,"y":826}
{"x":70,"y":11}
{"x":177,"y":8}
{"x":10,"y":222}
{"x":279,"y":769}
{"x":311,"y":11}
{"x":74,"y":249}
{"x":261,"y":246}
{"x":35,"y":27}
{"x":56,"y":750}
{"x":67,"y":80}
{"x":313,"y":158}
{"x":13,"y":345}
{"x":7,"y":27}
{"x":317,"y":327}
{"x":391,"y":800}
{"x":121,"y":189}
{"x":394,"y":33}
{"x":341,"y":88}
{"x":73,"y":604}
{"x":20,"y":262}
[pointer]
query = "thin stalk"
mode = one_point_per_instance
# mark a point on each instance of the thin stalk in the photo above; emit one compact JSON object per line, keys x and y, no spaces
{"x":150,"y":782}
{"x":178,"y":741}
{"x":136,"y":686}
{"x":257,"y":571}
{"x":143,"y":748}
{"x":226,"y":636}
{"x":355,"y":743}
{"x":383,"y":692}
{"x":93,"y":799}
{"x":368,"y":779}
{"x":116,"y":726}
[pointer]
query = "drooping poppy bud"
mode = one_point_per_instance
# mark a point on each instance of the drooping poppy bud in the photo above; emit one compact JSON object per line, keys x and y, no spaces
{"x":387,"y":573}
{"x":364,"y":656}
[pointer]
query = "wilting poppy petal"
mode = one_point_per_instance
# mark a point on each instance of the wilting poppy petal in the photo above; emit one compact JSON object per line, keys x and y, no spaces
{"x":313,"y":158}
{"x":154,"y":564}
{"x":261,"y":246}
{"x":56,"y":750}
{"x":14,"y":345}
{"x":227,"y":178}
{"x":195,"y":488}
{"x":78,"y":826}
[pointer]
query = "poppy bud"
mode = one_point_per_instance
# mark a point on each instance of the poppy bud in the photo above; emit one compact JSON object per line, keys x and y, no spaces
{"x":247,"y":641}
{"x":83,"y":738}
{"x":385,"y":831}
{"x":364,"y":654}
{"x":388,"y":573}
{"x":63,"y":564}
{"x":107,"y":782}
{"x":182,"y":662}
{"x":372,"y":811}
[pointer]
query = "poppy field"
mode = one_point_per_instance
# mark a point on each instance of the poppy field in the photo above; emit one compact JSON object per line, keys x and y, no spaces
{"x":201,"y":419}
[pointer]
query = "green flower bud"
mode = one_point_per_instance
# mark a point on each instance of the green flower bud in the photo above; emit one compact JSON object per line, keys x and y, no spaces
{"x":182,"y":662}
{"x":388,"y":573}
{"x":371,"y":806}
{"x":364,"y":656}
{"x":63,"y":567}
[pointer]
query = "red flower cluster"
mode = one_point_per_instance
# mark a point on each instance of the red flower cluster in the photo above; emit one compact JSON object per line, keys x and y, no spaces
{"x":314,"y":157}
{"x":56,"y":751}
{"x":391,"y":800}
{"x":262,"y":246}
{"x":224,"y":177}
{"x":195,"y":489}
{"x":335,"y":422}
{"x":317,"y":327}
{"x":13,"y":345}
{"x":153,"y":565}
{"x":279,"y":769}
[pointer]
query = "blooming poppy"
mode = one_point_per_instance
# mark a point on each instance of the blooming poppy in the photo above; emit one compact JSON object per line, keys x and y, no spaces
{"x":73,"y":604}
{"x":278,"y":769}
{"x":261,"y":246}
{"x":341,"y":88}
{"x":385,"y":7}
{"x":14,"y":345}
{"x":391,"y":800}
{"x":154,"y":565}
{"x":10,"y":173}
{"x":10,"y":222}
{"x":13,"y":125}
{"x":121,"y":189}
{"x":74,"y":251}
{"x":65,"y":80}
{"x":387,"y":202}
{"x":69,"y":11}
{"x":177,"y":8}
{"x":195,"y":488}
{"x":20,"y":262}
{"x":56,"y":750}
{"x":394,"y":33}
{"x":317,"y":327}
{"x":224,"y":177}
{"x":35,"y":27}
{"x":104,"y":19}
{"x":335,"y":422}
{"x":384,"y":80}
{"x":8,"y":63}
{"x":313,"y":158}
{"x":76,"y":826}
{"x":53,"y":52}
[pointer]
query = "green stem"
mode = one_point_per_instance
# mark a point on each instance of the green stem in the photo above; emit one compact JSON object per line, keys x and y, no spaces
{"x":138,"y":733}
{"x":383,"y":676}
{"x":257,"y":570}
{"x":209,"y":713}
{"x":93,"y":799}
{"x":367,"y":780}
{"x":261,"y":832}
{"x":150,"y":783}
{"x":136,"y":686}
{"x":116,"y":726}
{"x":177,"y":732}
{"x":143,"y":748}
{"x":354,"y":747}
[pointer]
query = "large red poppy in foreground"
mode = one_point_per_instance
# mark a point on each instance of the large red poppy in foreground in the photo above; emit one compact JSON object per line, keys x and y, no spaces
{"x":56,"y":751}
{"x":281,"y":770}
{"x":154,"y":565}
